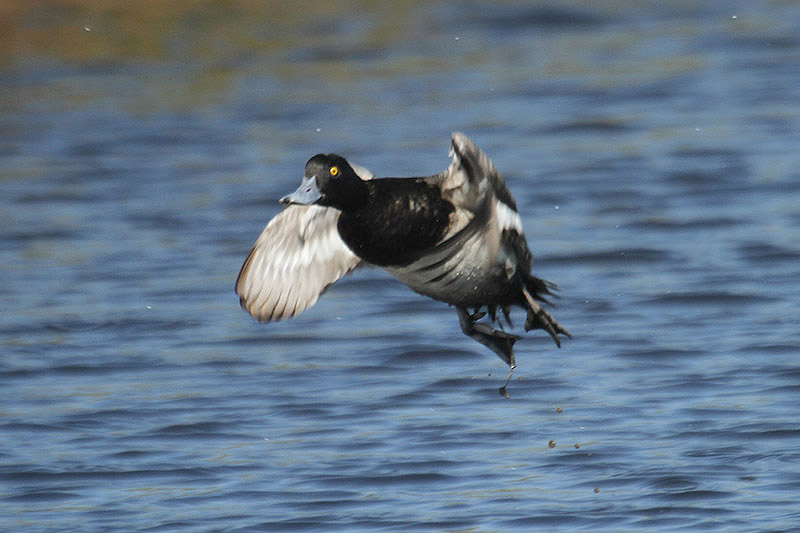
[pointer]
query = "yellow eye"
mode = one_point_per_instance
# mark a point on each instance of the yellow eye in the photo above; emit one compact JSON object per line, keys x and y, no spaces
{"x":334,"y":171}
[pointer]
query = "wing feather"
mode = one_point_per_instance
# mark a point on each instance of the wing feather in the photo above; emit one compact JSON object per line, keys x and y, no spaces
{"x":472,"y":178}
{"x":297,"y":256}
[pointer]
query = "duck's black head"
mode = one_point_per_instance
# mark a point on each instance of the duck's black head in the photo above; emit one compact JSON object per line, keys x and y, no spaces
{"x":329,"y":180}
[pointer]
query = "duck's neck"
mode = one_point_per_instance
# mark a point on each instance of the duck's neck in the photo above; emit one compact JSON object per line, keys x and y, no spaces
{"x":351,"y":198}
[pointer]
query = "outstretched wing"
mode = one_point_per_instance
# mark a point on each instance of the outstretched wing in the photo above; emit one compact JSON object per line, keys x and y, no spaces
{"x":474,"y":186}
{"x":471,"y":178}
{"x":297,"y":256}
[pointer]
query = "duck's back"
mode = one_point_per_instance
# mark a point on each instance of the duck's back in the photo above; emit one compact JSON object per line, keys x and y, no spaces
{"x":402,"y":219}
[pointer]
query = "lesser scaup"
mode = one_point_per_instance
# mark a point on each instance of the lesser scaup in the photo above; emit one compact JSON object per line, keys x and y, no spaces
{"x":455,"y":237}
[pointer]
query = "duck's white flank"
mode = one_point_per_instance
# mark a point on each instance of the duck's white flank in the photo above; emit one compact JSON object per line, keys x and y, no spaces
{"x":507,"y":218}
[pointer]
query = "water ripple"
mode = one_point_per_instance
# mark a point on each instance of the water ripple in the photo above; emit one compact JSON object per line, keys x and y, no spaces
{"x":651,"y":153}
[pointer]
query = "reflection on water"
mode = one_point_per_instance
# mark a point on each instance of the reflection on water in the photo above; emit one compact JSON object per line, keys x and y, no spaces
{"x":650,"y":148}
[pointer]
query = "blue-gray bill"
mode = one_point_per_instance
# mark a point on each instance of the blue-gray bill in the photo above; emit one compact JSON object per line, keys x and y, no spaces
{"x":306,"y":194}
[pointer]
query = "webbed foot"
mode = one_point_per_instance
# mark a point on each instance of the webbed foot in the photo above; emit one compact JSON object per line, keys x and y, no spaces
{"x":499,"y":342}
{"x":539,"y":318}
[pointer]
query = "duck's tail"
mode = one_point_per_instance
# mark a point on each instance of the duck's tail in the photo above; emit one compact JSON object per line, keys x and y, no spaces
{"x":536,"y":289}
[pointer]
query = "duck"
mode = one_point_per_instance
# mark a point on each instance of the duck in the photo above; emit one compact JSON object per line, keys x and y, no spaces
{"x":455,"y":236}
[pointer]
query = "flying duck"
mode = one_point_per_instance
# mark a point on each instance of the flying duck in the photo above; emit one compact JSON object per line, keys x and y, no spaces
{"x":455,"y":237}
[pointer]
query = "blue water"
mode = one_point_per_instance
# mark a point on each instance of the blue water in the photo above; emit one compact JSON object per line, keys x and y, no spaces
{"x":652,"y":150}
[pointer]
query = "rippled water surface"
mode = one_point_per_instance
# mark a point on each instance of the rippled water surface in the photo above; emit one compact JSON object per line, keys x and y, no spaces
{"x":652,"y":150}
